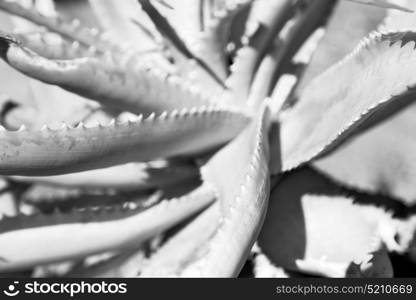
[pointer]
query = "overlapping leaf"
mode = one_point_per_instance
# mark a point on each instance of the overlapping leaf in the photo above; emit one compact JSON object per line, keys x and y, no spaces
{"x":267,"y":23}
{"x":339,"y":40}
{"x":122,"y":84}
{"x":380,"y":160}
{"x":104,"y":230}
{"x":117,"y":20}
{"x":217,"y":242}
{"x":384,"y":4}
{"x":231,"y":226}
{"x":66,"y":150}
{"x":337,"y":103}
{"x":131,"y":176}
{"x":315,"y":227}
{"x":183,"y":248}
{"x":243,"y":200}
{"x":397,"y":20}
{"x":74,"y":31}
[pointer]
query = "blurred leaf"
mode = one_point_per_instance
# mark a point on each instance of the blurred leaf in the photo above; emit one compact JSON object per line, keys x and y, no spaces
{"x":105,"y":230}
{"x":73,"y":31}
{"x":266,"y":20}
{"x":78,"y":9}
{"x":185,"y":246}
{"x":13,"y":84}
{"x":185,"y":15}
{"x":397,"y":20}
{"x":127,"y":264}
{"x":116,"y":19}
{"x":381,"y":160}
{"x":339,"y":40}
{"x":383,"y":4}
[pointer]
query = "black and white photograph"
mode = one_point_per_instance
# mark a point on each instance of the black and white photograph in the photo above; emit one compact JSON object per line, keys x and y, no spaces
{"x":250,"y":139}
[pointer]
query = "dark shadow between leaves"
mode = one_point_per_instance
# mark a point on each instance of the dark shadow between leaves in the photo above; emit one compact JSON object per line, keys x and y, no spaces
{"x":284,"y":235}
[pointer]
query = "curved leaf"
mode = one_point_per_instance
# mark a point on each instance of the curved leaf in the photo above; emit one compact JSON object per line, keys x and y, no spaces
{"x":116,"y":17}
{"x":89,"y":37}
{"x":180,"y":47}
{"x":381,"y":160}
{"x":399,"y":20}
{"x":383,"y":4}
{"x":325,"y":117}
{"x":14,"y":84}
{"x":47,"y":198}
{"x":243,"y":199}
{"x":312,"y":227}
{"x":67,"y":150}
{"x":120,"y":84}
{"x":61,"y":236}
{"x":180,"y":250}
{"x":268,"y":21}
{"x":125,"y":177}
{"x":339,"y":39}
{"x":211,"y":43}
{"x":77,"y":9}
{"x":127,"y":264}
{"x":52,"y":46}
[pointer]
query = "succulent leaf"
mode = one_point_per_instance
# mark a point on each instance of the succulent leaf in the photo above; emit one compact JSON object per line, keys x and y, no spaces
{"x":116,"y":18}
{"x":339,"y":40}
{"x":183,"y":89}
{"x":131,"y":176}
{"x":378,"y":161}
{"x":183,"y":248}
{"x":53,"y":46}
{"x":321,"y":120}
{"x":315,"y":229}
{"x":127,"y":264}
{"x":73,"y":31}
{"x":211,"y":43}
{"x":398,"y":20}
{"x":67,"y":150}
{"x":383,"y":4}
{"x":243,"y":201}
{"x":179,"y":45}
{"x":66,"y":233}
{"x":47,"y":198}
{"x":116,"y":83}
{"x":263,"y":25}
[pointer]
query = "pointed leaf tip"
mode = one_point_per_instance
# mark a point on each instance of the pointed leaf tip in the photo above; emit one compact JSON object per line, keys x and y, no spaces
{"x":384,"y":4}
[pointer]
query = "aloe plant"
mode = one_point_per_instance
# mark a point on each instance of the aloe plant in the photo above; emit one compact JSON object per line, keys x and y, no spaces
{"x":199,"y":135}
